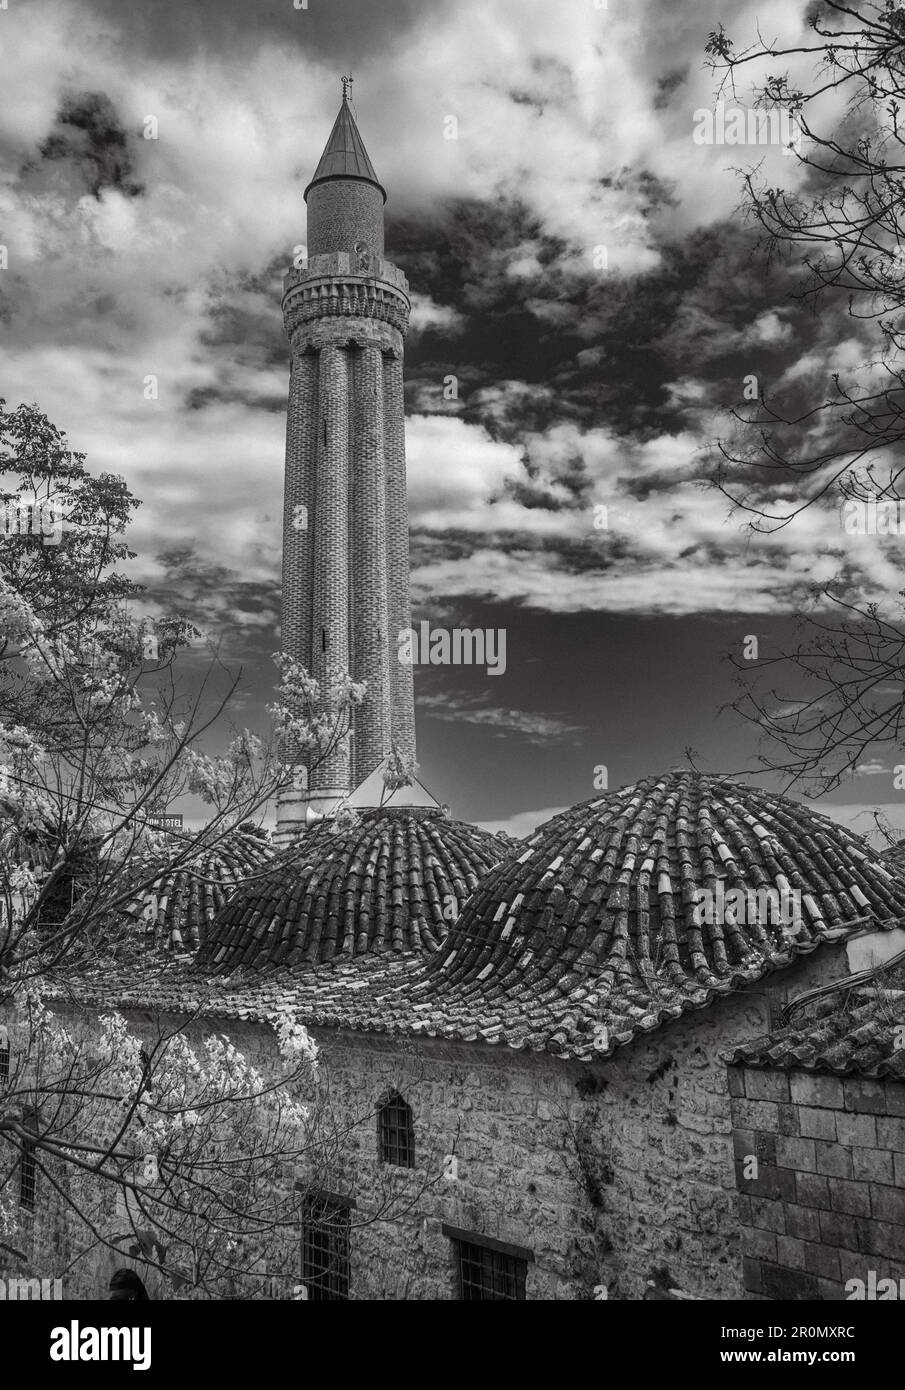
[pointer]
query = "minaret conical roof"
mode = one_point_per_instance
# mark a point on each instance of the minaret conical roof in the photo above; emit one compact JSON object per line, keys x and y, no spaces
{"x":345,"y":156}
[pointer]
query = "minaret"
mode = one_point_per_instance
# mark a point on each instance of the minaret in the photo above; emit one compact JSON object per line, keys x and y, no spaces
{"x":345,"y":525}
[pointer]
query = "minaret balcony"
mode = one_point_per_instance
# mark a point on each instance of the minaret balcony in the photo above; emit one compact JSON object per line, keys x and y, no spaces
{"x":358,"y":265}
{"x":328,"y":287}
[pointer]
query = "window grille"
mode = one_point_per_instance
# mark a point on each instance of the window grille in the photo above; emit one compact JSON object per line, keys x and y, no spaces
{"x":28,"y":1178}
{"x":396,"y":1132}
{"x":487,"y":1268}
{"x":325,"y":1249}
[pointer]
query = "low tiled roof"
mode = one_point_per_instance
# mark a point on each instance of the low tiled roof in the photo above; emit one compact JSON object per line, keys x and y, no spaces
{"x":391,"y":881}
{"x":182,"y":901}
{"x":894,"y":857}
{"x":580,"y":942}
{"x":860,"y":1040}
{"x":343,"y":993}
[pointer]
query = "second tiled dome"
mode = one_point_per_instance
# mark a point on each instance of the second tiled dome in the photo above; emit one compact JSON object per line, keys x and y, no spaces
{"x":393,"y":880}
{"x":179,"y":903}
{"x":612,"y":918}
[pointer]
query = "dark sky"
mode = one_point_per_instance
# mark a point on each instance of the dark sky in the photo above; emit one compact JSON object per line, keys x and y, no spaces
{"x":578,"y":264}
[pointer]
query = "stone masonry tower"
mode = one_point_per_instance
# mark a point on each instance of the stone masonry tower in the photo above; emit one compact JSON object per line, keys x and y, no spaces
{"x":345,"y":525}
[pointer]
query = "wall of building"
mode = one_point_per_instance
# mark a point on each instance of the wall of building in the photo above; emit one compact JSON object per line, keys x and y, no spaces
{"x":612,"y":1174}
{"x":53,"y":1241}
{"x":826,"y":1201}
{"x":657,"y":1123}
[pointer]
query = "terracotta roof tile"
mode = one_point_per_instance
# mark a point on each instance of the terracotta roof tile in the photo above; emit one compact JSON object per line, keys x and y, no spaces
{"x":575,"y":946}
{"x":894,"y":857}
{"x":595,"y":921}
{"x":393,"y":882}
{"x":863,"y":1039}
{"x":183,"y":901}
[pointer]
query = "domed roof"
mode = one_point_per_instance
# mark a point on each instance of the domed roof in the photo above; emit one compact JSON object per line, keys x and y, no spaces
{"x":51,"y":849}
{"x":631,"y":908}
{"x":388,"y":880}
{"x":178,"y":905}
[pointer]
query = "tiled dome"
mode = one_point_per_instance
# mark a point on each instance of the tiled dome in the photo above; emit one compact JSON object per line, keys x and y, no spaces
{"x":182,"y":902}
{"x":394,"y":880}
{"x":590,"y":934}
{"x":24,"y":840}
{"x":42,"y":844}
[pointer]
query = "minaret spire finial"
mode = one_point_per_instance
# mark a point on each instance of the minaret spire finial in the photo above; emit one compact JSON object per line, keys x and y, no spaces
{"x":344,"y":157}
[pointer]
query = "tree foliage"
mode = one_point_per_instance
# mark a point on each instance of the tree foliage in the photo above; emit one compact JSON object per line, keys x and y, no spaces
{"x":181,"y":1142}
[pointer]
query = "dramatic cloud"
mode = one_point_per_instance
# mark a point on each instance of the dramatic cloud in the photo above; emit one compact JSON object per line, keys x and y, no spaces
{"x":587,"y":307}
{"x":477,"y":709}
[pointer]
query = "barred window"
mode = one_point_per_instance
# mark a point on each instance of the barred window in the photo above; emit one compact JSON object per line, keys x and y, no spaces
{"x":28,"y":1172}
{"x":325,"y":1248}
{"x":395,"y":1131}
{"x":4,"y":1054}
{"x":489,"y":1269}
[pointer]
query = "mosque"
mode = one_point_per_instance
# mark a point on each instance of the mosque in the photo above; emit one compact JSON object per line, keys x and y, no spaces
{"x":545,"y":1042}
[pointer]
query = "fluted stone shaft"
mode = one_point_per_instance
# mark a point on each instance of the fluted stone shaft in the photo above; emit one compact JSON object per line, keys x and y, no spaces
{"x":345,"y":578}
{"x":402,"y":694}
{"x":370,"y":650}
{"x":298,"y":513}
{"x":330,"y":590}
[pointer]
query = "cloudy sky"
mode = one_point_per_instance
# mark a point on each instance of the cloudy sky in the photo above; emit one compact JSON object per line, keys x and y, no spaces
{"x":578,"y":264}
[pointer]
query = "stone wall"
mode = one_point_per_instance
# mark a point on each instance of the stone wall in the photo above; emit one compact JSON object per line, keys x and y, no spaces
{"x":342,"y":212}
{"x":612,"y":1175}
{"x":657,"y":1116}
{"x":825,"y":1201}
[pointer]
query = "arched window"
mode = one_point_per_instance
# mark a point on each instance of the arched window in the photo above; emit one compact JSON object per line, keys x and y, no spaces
{"x":395,"y":1131}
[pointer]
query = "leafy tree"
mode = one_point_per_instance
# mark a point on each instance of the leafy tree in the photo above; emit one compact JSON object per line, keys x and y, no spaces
{"x":841,"y":227}
{"x":97,"y":737}
{"x":835,"y":698}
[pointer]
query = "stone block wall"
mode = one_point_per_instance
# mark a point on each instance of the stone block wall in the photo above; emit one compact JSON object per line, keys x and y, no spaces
{"x":823,"y":1202}
{"x":613,"y":1174}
